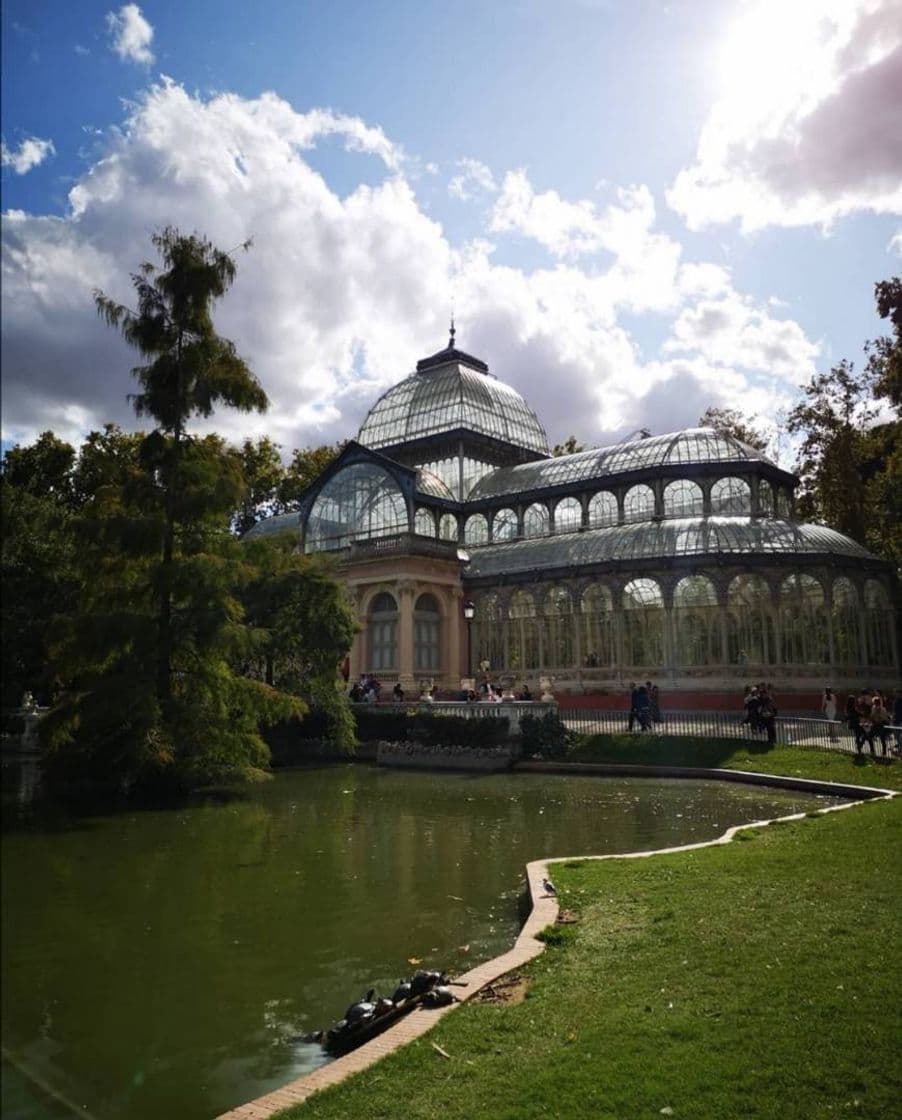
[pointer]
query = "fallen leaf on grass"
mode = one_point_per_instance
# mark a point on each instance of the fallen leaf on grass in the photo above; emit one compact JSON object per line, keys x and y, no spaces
{"x":414,"y":960}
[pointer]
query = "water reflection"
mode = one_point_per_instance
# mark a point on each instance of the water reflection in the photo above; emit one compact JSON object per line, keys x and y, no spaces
{"x":166,"y":962}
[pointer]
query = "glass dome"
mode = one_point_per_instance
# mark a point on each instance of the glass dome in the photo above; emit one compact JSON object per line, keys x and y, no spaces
{"x":444,"y":395}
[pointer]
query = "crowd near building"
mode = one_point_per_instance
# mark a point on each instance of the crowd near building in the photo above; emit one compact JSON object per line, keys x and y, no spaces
{"x":464,"y":543}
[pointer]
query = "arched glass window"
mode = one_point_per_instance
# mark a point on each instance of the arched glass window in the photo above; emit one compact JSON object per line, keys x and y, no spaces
{"x":504,"y":525}
{"x":782,"y":503}
{"x":765,"y":498}
{"x":427,"y":633}
{"x":447,"y":527}
{"x":424,"y":523}
{"x":803,"y":622}
{"x":878,"y":621}
{"x":359,"y":502}
{"x":602,"y":509}
{"x":683,"y":498}
{"x":643,"y":624}
{"x":382,"y":633}
{"x":845,"y":620}
{"x":639,"y":503}
{"x":731,"y":495}
{"x":750,"y":622}
{"x":597,"y":610}
{"x":522,"y":632}
{"x":557,"y":629}
{"x":536,"y":520}
{"x":696,"y":622}
{"x":488,"y":632}
{"x":568,"y":515}
{"x":476,"y":529}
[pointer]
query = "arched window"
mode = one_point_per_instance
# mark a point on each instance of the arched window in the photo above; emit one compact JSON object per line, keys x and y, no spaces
{"x":424,"y":523}
{"x":488,"y":632}
{"x":765,"y":498}
{"x":643,"y":624}
{"x":731,"y":495}
{"x":696,"y":622}
{"x":536,"y":520}
{"x":476,"y":529}
{"x":782,"y":503}
{"x":750,"y":622}
{"x":845,"y":620}
{"x":878,"y":621}
{"x":602,"y":509}
{"x":639,"y":504}
{"x":382,"y":633}
{"x":568,"y":515}
{"x":557,"y":629}
{"x":522,"y":633}
{"x":359,"y":502}
{"x":683,"y":498}
{"x":447,"y":527}
{"x":597,"y":610}
{"x":427,"y":633}
{"x":803,"y":622}
{"x":504,"y":525}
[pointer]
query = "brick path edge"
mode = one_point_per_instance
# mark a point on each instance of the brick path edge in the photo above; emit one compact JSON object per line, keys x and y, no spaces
{"x":527,"y":946}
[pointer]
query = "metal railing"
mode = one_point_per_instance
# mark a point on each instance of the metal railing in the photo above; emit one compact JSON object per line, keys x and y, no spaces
{"x":800,"y":731}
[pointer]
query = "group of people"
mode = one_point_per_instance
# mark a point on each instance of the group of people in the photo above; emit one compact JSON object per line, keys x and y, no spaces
{"x":868,"y":717}
{"x":367,"y":689}
{"x":760,"y":710}
{"x":645,"y":706}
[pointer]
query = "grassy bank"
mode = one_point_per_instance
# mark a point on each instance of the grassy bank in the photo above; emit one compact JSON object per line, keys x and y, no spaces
{"x":757,"y":979}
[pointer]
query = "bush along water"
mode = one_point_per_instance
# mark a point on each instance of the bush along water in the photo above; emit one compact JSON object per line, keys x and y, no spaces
{"x":546,"y":735}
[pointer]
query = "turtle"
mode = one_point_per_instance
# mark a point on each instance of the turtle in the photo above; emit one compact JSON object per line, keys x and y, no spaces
{"x":402,"y":991}
{"x":361,"y":1010}
{"x":383,"y":1006}
{"x":439,"y":996}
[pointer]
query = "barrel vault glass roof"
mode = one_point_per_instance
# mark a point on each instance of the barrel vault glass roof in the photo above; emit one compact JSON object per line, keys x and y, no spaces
{"x":280,"y":523}
{"x":693,"y":445}
{"x":688,"y":536}
{"x":447,"y":397}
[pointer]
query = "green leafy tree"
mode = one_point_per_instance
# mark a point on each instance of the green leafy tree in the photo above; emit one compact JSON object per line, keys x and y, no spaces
{"x":568,"y":447}
{"x":150,"y":651}
{"x":264,"y":474}
{"x":734,"y":423}
{"x":298,"y":605}
{"x":885,"y":354}
{"x":190,"y":371}
{"x":39,"y":566}
{"x":307,"y":464}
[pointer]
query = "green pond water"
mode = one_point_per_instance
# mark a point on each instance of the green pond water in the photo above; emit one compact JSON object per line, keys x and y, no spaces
{"x":165,"y":963}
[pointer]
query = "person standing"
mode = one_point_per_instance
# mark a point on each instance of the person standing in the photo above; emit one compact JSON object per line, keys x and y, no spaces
{"x":654,"y":697}
{"x":643,"y":708}
{"x":879,"y":722}
{"x":828,"y":707}
{"x":634,"y":699}
{"x":767,"y":714}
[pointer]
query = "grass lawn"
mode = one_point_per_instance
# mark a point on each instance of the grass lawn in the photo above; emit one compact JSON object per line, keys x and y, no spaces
{"x":756,"y":979}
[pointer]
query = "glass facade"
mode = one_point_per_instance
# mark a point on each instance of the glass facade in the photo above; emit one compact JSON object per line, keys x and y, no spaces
{"x":359,"y":502}
{"x":673,"y":554}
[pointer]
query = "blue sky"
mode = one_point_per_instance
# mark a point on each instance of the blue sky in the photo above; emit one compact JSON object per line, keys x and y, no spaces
{"x":636,"y":209}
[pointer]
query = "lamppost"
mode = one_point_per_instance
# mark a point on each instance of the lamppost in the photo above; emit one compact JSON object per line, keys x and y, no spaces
{"x":469,"y":615}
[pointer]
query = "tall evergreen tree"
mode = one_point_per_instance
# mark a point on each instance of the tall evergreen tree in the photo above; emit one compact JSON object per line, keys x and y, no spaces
{"x":191,"y":370}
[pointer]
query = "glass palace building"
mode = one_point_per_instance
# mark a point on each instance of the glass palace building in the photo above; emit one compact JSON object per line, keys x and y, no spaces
{"x":672,"y":557}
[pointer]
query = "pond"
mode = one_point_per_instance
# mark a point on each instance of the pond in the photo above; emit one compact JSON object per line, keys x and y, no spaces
{"x":165,"y":963}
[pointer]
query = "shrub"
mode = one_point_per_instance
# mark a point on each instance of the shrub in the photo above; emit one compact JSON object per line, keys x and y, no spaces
{"x":547,"y":735}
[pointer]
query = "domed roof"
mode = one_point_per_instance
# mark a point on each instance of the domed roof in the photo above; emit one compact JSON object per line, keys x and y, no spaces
{"x":692,"y":445}
{"x":452,"y":390}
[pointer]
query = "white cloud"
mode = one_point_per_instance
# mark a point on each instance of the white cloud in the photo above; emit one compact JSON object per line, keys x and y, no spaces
{"x":806,"y":129}
{"x":130,"y":34}
{"x":31,"y":152}
{"x":341,"y":294}
{"x":895,"y":244}
{"x":475,"y":178}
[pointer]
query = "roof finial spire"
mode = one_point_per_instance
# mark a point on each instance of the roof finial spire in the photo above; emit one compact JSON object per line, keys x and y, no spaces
{"x":451,"y":339}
